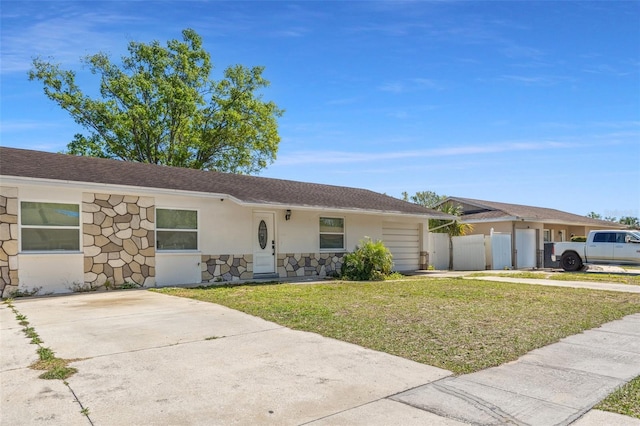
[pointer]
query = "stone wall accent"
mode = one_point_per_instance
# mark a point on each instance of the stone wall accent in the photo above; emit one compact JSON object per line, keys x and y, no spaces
{"x":118,"y":240}
{"x":8,"y":240}
{"x":309,"y":264}
{"x":226,"y":267}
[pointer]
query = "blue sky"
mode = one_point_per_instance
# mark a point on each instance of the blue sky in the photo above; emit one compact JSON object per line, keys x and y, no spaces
{"x":524,"y":102}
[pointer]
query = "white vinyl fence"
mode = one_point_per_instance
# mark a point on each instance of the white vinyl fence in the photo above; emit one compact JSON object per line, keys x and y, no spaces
{"x":500,"y":251}
{"x":439,"y":250}
{"x":470,"y":252}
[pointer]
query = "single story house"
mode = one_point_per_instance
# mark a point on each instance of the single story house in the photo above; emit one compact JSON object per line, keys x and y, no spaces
{"x":72,"y":223}
{"x":530,"y":227}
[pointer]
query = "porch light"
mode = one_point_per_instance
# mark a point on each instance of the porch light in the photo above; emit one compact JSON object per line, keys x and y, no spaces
{"x":287,"y":215}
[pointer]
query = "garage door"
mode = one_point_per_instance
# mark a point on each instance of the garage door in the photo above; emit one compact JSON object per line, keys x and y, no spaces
{"x":403,"y":241}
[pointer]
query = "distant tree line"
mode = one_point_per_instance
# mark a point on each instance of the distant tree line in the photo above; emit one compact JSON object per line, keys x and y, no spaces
{"x":629,"y":221}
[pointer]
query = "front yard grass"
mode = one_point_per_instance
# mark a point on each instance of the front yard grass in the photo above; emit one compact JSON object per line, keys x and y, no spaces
{"x":459,"y":325}
{"x":625,"y":400}
{"x":568,"y":276}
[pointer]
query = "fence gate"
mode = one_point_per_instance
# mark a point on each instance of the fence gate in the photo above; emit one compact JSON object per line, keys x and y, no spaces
{"x":439,"y":250}
{"x":469,"y":253}
{"x":500,"y":251}
{"x":526,"y":248}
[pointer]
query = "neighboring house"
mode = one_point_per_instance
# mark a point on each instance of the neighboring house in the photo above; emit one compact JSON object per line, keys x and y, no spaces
{"x":529,"y":227}
{"x":70,"y":223}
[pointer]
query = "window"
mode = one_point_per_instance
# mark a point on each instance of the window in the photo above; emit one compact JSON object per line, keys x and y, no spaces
{"x":176,"y":229}
{"x":547,"y":235}
{"x":604,"y":237}
{"x":49,"y":226}
{"x":331,"y":233}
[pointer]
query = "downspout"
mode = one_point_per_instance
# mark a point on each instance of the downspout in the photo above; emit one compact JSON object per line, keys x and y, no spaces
{"x":442,"y":226}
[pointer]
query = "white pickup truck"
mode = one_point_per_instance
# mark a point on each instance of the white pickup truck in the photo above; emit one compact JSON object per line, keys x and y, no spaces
{"x":612,"y":247}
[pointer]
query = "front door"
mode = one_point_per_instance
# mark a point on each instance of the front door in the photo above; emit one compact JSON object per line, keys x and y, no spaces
{"x":264,"y":243}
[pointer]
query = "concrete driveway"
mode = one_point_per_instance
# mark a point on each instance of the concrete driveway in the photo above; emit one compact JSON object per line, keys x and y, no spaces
{"x":147,"y":358}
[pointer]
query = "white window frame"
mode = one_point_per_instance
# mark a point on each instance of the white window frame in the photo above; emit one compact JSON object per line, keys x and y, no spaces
{"x":196,"y":230}
{"x":343,"y":233}
{"x":547,"y":235}
{"x":77,"y":227}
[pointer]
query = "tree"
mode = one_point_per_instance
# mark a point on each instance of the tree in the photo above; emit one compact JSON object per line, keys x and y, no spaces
{"x":430,"y":199}
{"x":631,"y":222}
{"x":424,"y":198}
{"x":594,"y":215}
{"x":455,"y":228}
{"x":161,"y":106}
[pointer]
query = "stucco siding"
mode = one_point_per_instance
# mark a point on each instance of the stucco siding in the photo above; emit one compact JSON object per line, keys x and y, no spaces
{"x":118,"y":240}
{"x":51,"y":273}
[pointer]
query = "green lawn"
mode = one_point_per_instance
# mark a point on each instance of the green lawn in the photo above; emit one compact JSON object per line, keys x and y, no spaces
{"x":625,"y":400}
{"x":568,"y":276}
{"x":460,"y":325}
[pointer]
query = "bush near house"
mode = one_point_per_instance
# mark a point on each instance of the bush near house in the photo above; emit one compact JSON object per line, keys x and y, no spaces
{"x":370,"y":261}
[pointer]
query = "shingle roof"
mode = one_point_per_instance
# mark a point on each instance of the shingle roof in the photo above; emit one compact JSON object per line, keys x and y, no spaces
{"x":246,"y":189}
{"x":491,"y":211}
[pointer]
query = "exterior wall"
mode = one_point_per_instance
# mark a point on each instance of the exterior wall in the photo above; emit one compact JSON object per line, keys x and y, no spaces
{"x":9,"y":279}
{"x":118,"y":240}
{"x":485,"y":228}
{"x":51,"y":273}
{"x":309,"y":264}
{"x":47,"y":273}
{"x":301,"y":234}
{"x":177,"y":268}
{"x":226,"y":268}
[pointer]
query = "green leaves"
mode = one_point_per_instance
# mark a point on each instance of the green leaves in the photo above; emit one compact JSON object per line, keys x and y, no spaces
{"x":160,"y":106}
{"x":371,"y":260}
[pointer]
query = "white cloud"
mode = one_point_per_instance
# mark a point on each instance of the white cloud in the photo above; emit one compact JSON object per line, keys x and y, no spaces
{"x":338,"y":157}
{"x":536,"y":80}
{"x":66,"y":36}
{"x":411,"y":85}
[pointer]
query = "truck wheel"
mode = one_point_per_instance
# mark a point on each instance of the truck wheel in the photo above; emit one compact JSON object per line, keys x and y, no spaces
{"x":571,"y":262}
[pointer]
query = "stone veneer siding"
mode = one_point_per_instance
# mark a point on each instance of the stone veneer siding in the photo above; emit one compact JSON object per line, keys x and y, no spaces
{"x":8,"y":240}
{"x":309,"y":264}
{"x":118,"y":239}
{"x":225,"y":267}
{"x":240,"y":267}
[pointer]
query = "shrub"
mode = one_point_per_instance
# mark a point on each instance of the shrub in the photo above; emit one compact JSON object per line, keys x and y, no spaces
{"x":579,"y":239}
{"x":371,"y":260}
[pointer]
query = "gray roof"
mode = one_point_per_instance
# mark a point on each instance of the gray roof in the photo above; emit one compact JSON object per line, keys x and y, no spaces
{"x":491,"y":211}
{"x":247,"y":189}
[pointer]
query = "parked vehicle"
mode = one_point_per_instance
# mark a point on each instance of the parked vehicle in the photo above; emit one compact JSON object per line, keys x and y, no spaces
{"x":610,"y":247}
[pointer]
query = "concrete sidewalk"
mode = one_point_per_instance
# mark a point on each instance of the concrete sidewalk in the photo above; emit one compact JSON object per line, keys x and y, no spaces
{"x":553,"y":385}
{"x":148,"y":358}
{"x":592,"y":285}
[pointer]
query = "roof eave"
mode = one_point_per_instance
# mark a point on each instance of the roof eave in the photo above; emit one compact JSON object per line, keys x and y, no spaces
{"x":109,"y":188}
{"x":344,"y":210}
